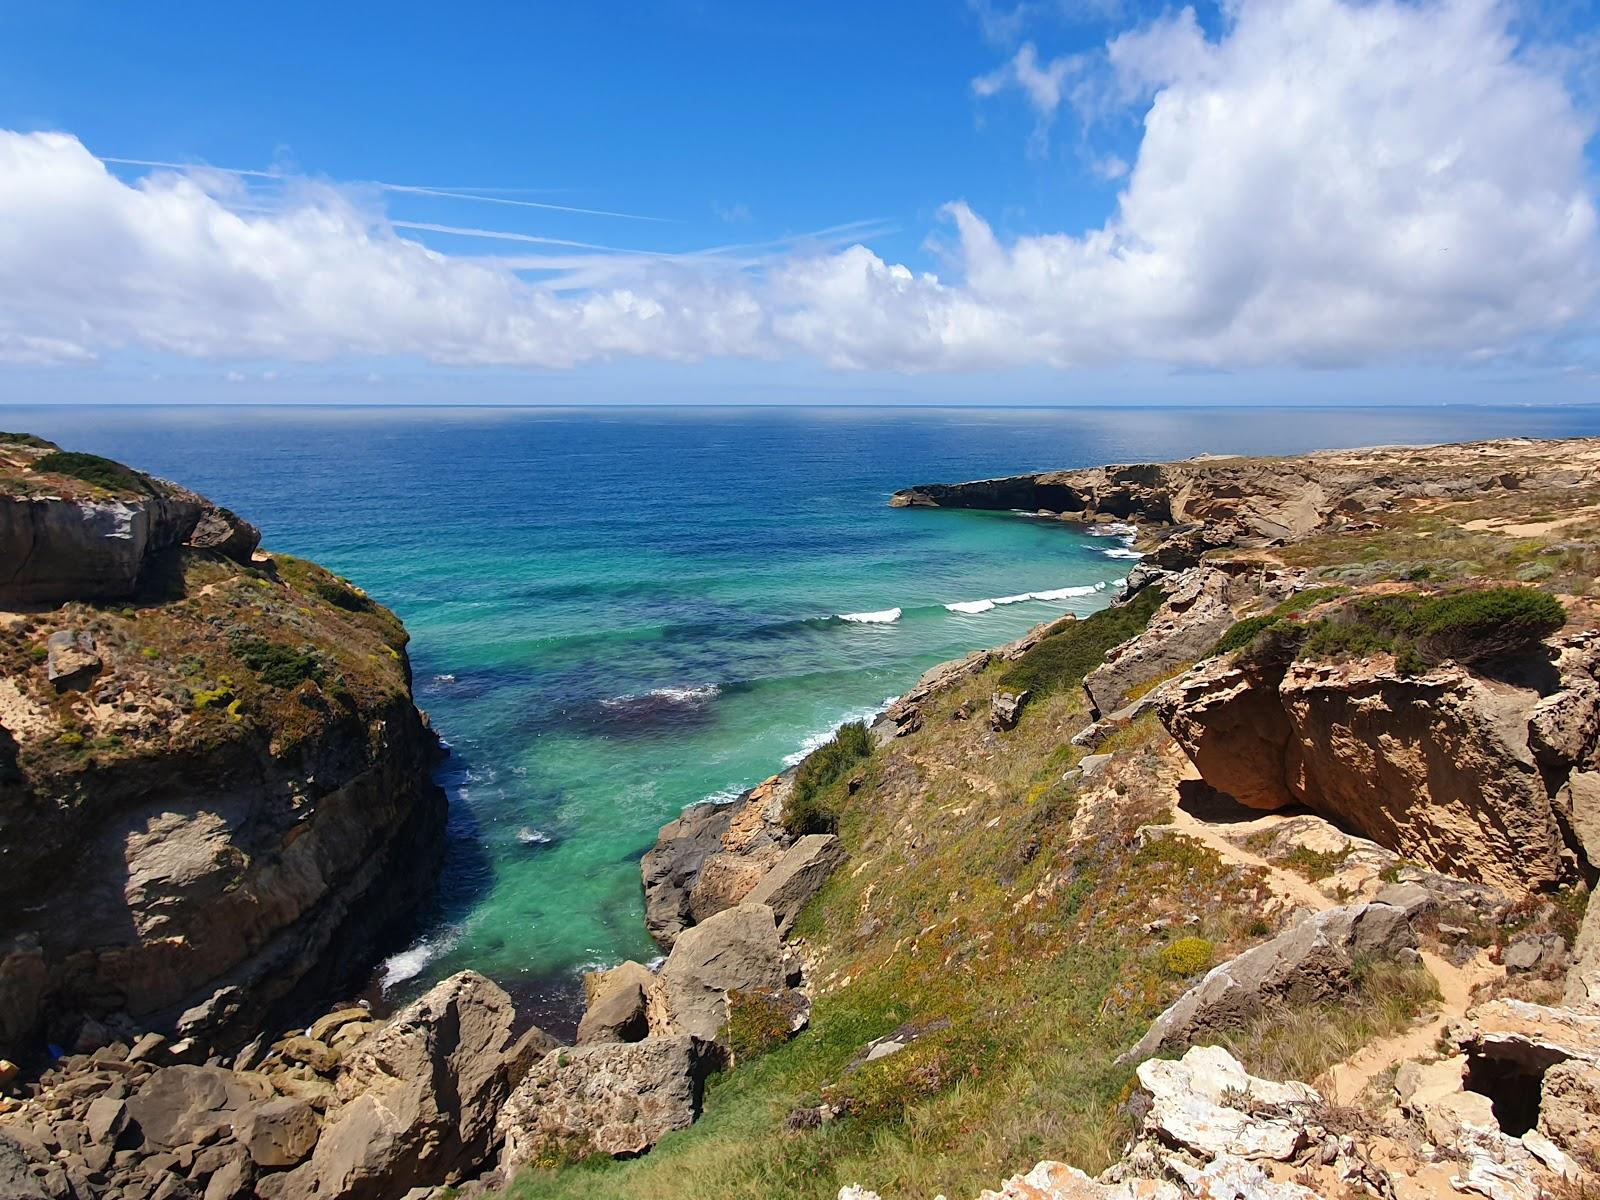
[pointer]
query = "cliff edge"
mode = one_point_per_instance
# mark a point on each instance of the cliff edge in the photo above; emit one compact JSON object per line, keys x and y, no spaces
{"x":215,"y":789}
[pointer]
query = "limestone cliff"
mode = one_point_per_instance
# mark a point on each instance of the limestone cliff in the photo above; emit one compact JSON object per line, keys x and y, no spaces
{"x":215,"y":790}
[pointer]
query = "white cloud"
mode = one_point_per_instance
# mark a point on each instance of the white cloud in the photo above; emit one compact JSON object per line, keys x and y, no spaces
{"x":1043,"y":83}
{"x":1327,"y":182}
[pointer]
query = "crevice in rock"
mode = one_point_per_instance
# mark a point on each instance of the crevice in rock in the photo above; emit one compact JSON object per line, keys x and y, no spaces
{"x":1512,"y":1085}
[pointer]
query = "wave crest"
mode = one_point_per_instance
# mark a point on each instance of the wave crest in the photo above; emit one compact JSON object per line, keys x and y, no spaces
{"x":887,"y":616}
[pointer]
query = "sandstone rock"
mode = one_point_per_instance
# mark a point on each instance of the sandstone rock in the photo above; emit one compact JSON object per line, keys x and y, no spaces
{"x":1313,"y":961}
{"x":229,"y":1181}
{"x":798,"y":876}
{"x":618,"y":1007}
{"x":421,"y":1094}
{"x":1436,"y":767}
{"x":1569,"y":1106}
{"x":277,"y":1133}
{"x":1197,"y":611}
{"x":1005,"y":710}
{"x":181,"y":1105}
{"x":319,"y":1056}
{"x":72,"y":659}
{"x":732,"y":836}
{"x":226,"y":533}
{"x":1205,"y":1101}
{"x":1530,"y":953}
{"x":617,"y":1098}
{"x":736,"y":949}
{"x":106,"y":1118}
{"x":322,"y":1029}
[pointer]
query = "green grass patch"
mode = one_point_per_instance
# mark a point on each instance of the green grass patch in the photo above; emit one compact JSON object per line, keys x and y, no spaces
{"x":1066,"y":656}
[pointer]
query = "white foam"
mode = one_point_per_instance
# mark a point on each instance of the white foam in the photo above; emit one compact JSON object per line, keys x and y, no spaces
{"x":444,"y":678}
{"x":411,"y":961}
{"x":1113,"y":529}
{"x":673,"y":695}
{"x":529,"y":836}
{"x":1121,"y":552}
{"x":1066,"y":593}
{"x":887,"y":616}
{"x":970,"y":606}
{"x":726,"y":796}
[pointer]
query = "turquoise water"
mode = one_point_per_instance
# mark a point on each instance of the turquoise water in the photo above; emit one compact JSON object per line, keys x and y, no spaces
{"x":617,"y":613}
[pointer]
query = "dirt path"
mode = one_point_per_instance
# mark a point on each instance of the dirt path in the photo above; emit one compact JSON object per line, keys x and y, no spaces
{"x":1347,"y":1080}
{"x":1292,"y":888}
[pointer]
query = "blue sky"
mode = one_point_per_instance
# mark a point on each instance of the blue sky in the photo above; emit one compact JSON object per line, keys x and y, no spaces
{"x":1154,"y":204}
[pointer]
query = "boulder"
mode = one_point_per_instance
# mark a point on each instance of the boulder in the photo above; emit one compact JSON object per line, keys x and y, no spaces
{"x":618,"y":1098}
{"x":798,"y":876}
{"x":1206,"y":1101}
{"x":226,"y":533}
{"x":736,"y":949}
{"x":1437,"y":767}
{"x":184,"y":1105}
{"x":1311,"y":962}
{"x":618,"y":1006}
{"x":277,"y":1133}
{"x":1005,"y":710}
{"x":72,"y":659}
{"x":421,"y":1094}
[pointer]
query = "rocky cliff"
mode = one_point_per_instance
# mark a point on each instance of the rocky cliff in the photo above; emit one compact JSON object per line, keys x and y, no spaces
{"x":215,"y":790}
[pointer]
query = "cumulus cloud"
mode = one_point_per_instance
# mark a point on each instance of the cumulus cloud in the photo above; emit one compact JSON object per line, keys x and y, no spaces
{"x":1325,"y":182}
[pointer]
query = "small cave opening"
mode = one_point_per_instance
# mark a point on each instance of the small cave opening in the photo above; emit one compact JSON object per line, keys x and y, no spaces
{"x":1513,"y":1088}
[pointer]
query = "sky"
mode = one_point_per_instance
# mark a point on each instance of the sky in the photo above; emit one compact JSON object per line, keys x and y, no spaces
{"x":949,"y":201}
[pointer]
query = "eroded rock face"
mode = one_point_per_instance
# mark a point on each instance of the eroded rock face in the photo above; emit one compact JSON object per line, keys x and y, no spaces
{"x":1196,"y":612}
{"x":190,"y":878}
{"x":798,"y":876}
{"x":617,"y":1098}
{"x":618,"y":1006}
{"x":1468,"y":774}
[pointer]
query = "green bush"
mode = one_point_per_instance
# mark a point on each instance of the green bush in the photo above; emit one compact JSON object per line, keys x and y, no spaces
{"x":1187,"y":956}
{"x":806,"y":810}
{"x":757,"y":1022}
{"x":1061,"y":660}
{"x":275,"y":664}
{"x":91,"y":468}
{"x":340,"y":596}
{"x":1242,"y":633}
{"x":25,"y":439}
{"x":1467,"y":626}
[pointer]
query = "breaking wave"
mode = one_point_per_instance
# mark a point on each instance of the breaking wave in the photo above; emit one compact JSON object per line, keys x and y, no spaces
{"x":887,"y":616}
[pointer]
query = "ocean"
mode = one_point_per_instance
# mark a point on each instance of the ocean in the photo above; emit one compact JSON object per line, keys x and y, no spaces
{"x":619,"y":612}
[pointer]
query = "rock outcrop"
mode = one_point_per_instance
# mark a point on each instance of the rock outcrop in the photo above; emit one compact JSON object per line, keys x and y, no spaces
{"x":1483,"y":777}
{"x":1313,"y":961}
{"x":412,"y":1102}
{"x":617,"y":1098}
{"x":736,"y":950}
{"x":64,"y":537}
{"x":215,"y":802}
{"x":1263,"y":501}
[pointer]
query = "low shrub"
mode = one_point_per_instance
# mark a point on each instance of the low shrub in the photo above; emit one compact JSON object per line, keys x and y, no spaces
{"x":1187,"y":956}
{"x":1244,"y":632}
{"x":1467,"y":626}
{"x":91,"y":468}
{"x":757,"y":1022}
{"x":25,"y":439}
{"x":806,"y":810}
{"x":340,"y":596}
{"x":277,"y":665}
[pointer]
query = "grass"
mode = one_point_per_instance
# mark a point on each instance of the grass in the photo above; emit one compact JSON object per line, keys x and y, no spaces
{"x":1063,"y":659}
{"x":1002,"y":921}
{"x":809,"y":808}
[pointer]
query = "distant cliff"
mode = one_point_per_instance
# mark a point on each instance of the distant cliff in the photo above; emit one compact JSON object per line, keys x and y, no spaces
{"x":215,"y":789}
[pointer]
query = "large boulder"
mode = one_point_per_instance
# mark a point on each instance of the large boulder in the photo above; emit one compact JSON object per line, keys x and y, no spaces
{"x":1311,"y":962}
{"x":618,"y":1098}
{"x":421,"y":1095}
{"x":736,"y":950}
{"x":798,"y":876}
{"x":618,"y":1008}
{"x":226,"y":533}
{"x":711,"y":857}
{"x":183,"y":1105}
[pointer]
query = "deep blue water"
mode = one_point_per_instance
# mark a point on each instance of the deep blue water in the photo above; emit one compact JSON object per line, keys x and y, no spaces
{"x":619,"y":612}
